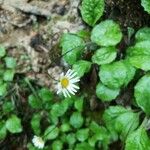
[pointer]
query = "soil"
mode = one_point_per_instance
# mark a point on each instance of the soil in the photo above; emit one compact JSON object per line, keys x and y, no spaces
{"x":32,"y":37}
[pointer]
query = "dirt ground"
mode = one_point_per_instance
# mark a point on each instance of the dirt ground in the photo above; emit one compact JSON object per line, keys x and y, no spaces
{"x":31,"y":29}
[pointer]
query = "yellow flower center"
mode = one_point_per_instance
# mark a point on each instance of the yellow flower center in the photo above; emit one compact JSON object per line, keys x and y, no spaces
{"x":64,"y":82}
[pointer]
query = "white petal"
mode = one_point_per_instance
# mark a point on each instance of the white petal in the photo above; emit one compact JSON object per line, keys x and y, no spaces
{"x":71,"y":91}
{"x":74,"y":80}
{"x":74,"y":86}
{"x":64,"y":92}
{"x":69,"y":72}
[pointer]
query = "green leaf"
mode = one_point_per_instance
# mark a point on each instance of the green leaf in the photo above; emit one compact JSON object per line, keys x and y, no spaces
{"x":120,"y":121}
{"x":57,"y":145}
{"x":139,"y":55}
{"x":72,"y":47}
{"x":142,"y":93}
{"x":82,"y":134}
{"x":99,"y":133}
{"x":59,"y":109}
{"x":79,"y":104}
{"x":107,"y":33}
{"x":138,"y":140}
{"x":46,"y":95}
{"x":8,"y":75}
{"x":2,"y":51}
{"x":8,"y":107}
{"x":3,"y":131}
{"x":65,"y":127}
{"x":104,"y":55}
{"x":146,"y":5}
{"x":106,"y":94}
{"x":10,"y":62}
{"x":3,"y":89}
{"x":116,"y":74}
{"x":51,"y":132}
{"x":76,"y":120}
{"x":35,"y":123}
{"x":81,"y":67}
{"x":92,"y":10}
{"x":82,"y":146}
{"x":13,"y":124}
{"x":34,"y":102}
{"x":143,"y":34}
{"x":71,"y":139}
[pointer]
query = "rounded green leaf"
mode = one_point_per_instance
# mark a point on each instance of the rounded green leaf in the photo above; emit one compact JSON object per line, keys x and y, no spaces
{"x":113,"y":75}
{"x":79,"y":104}
{"x":2,"y":51}
{"x":34,"y":102}
{"x":146,"y":5}
{"x":13,"y":124}
{"x":35,"y":123}
{"x":65,"y":127}
{"x":46,"y":95}
{"x":143,"y":34}
{"x":139,"y":55}
{"x":82,"y":134}
{"x":142,"y":93}
{"x":107,"y":33}
{"x":3,"y":131}
{"x":105,"y":93}
{"x":116,"y":74}
{"x":3,"y":89}
{"x":104,"y":55}
{"x":8,"y":75}
{"x":92,"y":10}
{"x":72,"y":47}
{"x":83,"y":146}
{"x":10,"y":62}
{"x":81,"y":67}
{"x":71,"y":138}
{"x":8,"y":107}
{"x":51,"y":132}
{"x":120,"y":120}
{"x":138,"y":140}
{"x":57,"y":145}
{"x":76,"y":120}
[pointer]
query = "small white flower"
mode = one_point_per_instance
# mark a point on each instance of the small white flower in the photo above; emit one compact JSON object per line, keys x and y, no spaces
{"x":38,"y":142}
{"x":66,"y":84}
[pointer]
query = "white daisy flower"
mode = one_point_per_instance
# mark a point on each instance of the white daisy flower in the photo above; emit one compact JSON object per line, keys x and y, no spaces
{"x":38,"y":142}
{"x":66,"y":84}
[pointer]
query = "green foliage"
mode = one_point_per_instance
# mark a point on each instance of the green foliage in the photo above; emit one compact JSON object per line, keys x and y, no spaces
{"x":83,"y":145}
{"x":142,"y":93}
{"x":57,"y":145}
{"x":146,"y":5}
{"x":10,"y":62}
{"x":106,"y":94}
{"x":3,"y":89}
{"x":13,"y":124}
{"x":120,"y":121}
{"x":8,"y":107}
{"x":104,"y":55}
{"x":35,"y":123}
{"x":3,"y":130}
{"x":92,"y":10}
{"x":2,"y":51}
{"x":81,"y":67}
{"x":78,"y":104}
{"x":82,"y":134}
{"x":51,"y":132}
{"x":72,"y":47}
{"x":139,"y":55}
{"x":8,"y":75}
{"x":76,"y":120}
{"x":143,"y":34}
{"x":138,"y":140}
{"x":107,"y":33}
{"x":117,"y":74}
